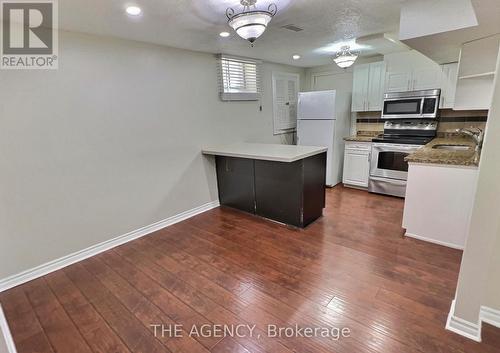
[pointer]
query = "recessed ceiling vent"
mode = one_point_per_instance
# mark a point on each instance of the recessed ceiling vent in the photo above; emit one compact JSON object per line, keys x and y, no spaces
{"x":292,"y":28}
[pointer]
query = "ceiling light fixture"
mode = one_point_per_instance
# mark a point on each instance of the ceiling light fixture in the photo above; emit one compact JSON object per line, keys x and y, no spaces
{"x":134,"y":10}
{"x":224,"y":34}
{"x":250,"y":23}
{"x":296,"y":57}
{"x":345,"y":57}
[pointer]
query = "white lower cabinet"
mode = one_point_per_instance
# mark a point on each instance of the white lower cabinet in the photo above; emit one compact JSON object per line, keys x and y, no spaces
{"x":357,"y":164}
{"x":438,"y":203}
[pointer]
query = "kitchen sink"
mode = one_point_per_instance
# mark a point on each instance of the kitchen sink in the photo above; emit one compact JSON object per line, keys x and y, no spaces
{"x":453,"y":147}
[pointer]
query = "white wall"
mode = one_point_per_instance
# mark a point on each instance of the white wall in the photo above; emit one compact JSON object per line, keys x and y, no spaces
{"x":6,"y":342}
{"x":492,"y":299}
{"x":3,"y":345}
{"x":476,"y":279}
{"x":426,"y":17}
{"x":111,"y":142}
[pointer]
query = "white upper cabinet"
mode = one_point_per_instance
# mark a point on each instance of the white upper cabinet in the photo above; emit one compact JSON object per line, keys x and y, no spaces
{"x":376,"y":86}
{"x":449,"y":85}
{"x":426,"y":78}
{"x":411,"y":71}
{"x":360,"y":87}
{"x":397,"y":81}
{"x":368,"y":87}
{"x":476,"y":73}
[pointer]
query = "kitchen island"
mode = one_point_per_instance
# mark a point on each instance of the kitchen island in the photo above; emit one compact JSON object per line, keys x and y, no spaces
{"x":284,"y":183}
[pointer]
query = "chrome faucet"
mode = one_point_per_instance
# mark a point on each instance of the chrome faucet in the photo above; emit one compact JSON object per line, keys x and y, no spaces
{"x":477,"y":135}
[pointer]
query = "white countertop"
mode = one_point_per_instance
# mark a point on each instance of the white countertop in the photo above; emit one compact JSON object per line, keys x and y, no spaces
{"x":267,"y":152}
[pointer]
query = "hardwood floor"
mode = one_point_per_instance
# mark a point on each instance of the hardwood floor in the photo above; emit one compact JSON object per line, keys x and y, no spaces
{"x":351,"y":269}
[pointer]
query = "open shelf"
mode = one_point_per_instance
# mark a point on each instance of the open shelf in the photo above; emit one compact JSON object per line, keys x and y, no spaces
{"x":484,"y":74}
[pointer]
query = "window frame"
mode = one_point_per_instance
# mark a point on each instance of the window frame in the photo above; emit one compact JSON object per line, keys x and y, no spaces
{"x":227,"y":93}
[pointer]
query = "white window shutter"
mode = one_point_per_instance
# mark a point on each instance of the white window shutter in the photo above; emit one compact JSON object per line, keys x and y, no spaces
{"x":239,"y":78}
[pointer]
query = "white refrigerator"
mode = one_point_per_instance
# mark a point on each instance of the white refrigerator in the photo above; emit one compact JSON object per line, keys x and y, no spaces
{"x":324,"y":119}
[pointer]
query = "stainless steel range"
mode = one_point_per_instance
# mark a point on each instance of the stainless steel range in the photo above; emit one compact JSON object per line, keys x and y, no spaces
{"x":388,"y":169}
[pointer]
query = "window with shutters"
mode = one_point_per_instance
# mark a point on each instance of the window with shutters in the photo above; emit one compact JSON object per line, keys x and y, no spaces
{"x":239,"y":78}
{"x":285,"y":97}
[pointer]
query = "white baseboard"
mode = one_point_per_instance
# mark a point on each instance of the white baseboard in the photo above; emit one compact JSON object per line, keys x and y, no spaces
{"x":490,"y":316}
{"x":5,"y":332}
{"x":462,"y":327}
{"x":434,"y":241}
{"x":472,"y":330}
{"x":67,"y":260}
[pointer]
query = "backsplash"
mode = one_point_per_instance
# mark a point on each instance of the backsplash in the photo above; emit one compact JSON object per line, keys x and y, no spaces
{"x":452,"y":120}
{"x":368,"y":123}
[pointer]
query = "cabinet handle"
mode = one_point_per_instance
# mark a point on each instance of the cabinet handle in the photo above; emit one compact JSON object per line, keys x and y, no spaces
{"x":409,"y":84}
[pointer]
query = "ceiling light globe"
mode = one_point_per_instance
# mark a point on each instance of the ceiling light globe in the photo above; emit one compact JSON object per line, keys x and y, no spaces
{"x":345,"y":61}
{"x":251,"y":33}
{"x":134,"y":10}
{"x":345,"y":58}
{"x":250,"y":25}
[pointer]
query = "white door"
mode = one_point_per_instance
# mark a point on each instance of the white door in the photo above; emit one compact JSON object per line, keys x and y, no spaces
{"x":426,"y":78}
{"x":285,"y":97}
{"x":318,"y":133}
{"x":398,"y":81}
{"x":376,"y":86}
{"x":360,"y":88}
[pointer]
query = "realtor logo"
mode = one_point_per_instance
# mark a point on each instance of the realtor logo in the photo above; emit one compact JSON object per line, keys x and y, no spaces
{"x":29,"y":34}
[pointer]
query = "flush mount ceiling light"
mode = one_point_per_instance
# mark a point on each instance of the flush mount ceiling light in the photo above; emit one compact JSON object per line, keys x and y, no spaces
{"x":296,"y":57}
{"x":345,"y":57}
{"x":251,"y":23}
{"x":133,"y":10}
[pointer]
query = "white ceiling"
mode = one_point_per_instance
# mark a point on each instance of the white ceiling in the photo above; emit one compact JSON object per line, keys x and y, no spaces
{"x":444,"y":47}
{"x":195,"y":25}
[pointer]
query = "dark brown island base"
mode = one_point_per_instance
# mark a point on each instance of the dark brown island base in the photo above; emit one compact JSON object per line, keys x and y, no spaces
{"x":284,"y":183}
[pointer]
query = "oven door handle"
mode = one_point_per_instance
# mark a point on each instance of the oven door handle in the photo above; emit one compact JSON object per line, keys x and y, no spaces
{"x":389,"y":181}
{"x":392,"y":147}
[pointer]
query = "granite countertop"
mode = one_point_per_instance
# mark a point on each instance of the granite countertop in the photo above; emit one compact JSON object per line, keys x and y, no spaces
{"x":358,"y":138}
{"x":267,"y":152}
{"x":428,"y":154}
{"x":363,"y":136}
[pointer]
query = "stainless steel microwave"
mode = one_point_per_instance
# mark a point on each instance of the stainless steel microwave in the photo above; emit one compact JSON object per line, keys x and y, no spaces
{"x":412,"y":105}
